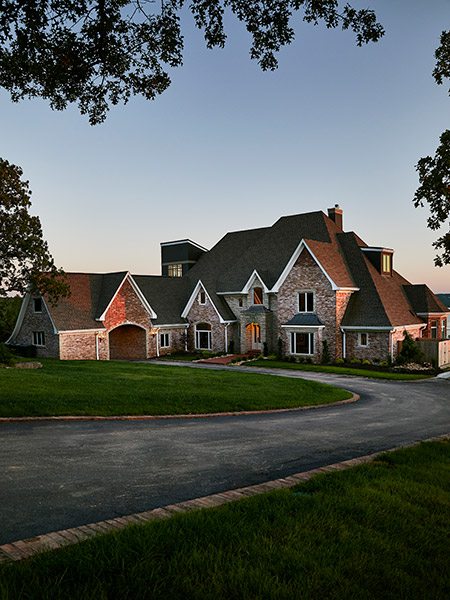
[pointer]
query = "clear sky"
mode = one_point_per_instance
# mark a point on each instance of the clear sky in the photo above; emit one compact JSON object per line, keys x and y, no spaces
{"x":229,"y":147}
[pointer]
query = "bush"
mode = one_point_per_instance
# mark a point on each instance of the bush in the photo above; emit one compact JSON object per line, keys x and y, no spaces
{"x":355,"y":361}
{"x":366,"y":362}
{"x":6,"y":356}
{"x":339,"y":362}
{"x":280,"y":349}
{"x":231,"y":347}
{"x":410,"y":352}
{"x":265,"y":349}
{"x":25,"y":351}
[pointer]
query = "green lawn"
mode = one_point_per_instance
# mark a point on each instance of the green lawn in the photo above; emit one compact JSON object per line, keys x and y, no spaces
{"x":377,"y":531}
{"x":121,"y":388}
{"x":279,"y":364}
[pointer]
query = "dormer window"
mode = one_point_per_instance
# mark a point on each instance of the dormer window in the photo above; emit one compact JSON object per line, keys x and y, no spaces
{"x":37,"y":305}
{"x":386,"y":263}
{"x":175,"y":270}
{"x":257,"y":295}
{"x":202,"y":297}
{"x":306,"y":302}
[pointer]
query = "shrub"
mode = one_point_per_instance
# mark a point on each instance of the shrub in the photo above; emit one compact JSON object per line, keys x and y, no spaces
{"x":265,"y":349}
{"x":231,"y":347}
{"x":410,"y":351}
{"x":339,"y":362}
{"x":384,"y":363}
{"x":280,"y":349}
{"x":355,"y":361}
{"x":25,"y":351}
{"x":366,"y":362}
{"x":326,"y":358}
{"x":6,"y":356}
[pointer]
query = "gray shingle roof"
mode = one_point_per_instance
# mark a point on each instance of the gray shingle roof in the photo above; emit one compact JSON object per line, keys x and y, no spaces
{"x":423,"y":300}
{"x":445,"y":299}
{"x":305,"y":319}
{"x":166,"y":295}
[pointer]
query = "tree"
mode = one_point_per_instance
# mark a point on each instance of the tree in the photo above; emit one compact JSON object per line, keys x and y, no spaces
{"x":100,"y":52}
{"x":25,"y":262}
{"x":434,"y":172}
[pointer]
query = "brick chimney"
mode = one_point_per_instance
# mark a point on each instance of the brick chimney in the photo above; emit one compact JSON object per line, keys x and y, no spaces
{"x":336,"y":214}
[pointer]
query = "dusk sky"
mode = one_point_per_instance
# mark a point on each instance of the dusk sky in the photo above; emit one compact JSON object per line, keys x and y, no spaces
{"x":229,"y":147}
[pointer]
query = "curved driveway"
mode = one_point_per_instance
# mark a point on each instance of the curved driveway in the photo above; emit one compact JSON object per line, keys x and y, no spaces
{"x":59,"y":475}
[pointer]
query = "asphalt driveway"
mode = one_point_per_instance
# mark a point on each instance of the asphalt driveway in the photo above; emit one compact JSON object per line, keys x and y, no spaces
{"x":59,"y":475}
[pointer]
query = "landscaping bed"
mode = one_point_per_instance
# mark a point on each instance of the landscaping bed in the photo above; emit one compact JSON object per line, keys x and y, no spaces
{"x":375,"y":531}
{"x":121,"y":388}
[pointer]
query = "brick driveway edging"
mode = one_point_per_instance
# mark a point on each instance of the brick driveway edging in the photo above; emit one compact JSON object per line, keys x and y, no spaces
{"x":354,"y":398}
{"x":23,"y":549}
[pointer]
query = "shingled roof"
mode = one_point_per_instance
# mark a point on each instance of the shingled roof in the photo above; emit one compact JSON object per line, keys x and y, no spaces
{"x":423,"y":300}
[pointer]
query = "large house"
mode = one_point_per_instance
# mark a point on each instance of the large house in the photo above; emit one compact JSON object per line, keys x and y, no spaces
{"x":301,"y":285}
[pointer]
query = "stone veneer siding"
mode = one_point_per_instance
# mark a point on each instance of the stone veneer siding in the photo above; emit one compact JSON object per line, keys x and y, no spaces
{"x":306,"y":275}
{"x":177,"y":339}
{"x":37,"y":322}
{"x":206,"y":313}
{"x":377,"y":349}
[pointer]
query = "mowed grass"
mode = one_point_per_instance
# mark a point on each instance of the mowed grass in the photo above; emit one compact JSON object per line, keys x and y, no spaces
{"x":121,"y":388}
{"x":280,"y":364}
{"x":377,"y":531}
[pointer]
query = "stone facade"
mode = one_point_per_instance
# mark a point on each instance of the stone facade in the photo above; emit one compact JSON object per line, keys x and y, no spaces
{"x":38,"y":322}
{"x":177,"y":340}
{"x":78,"y":345}
{"x":206,"y":313}
{"x":378,"y":347}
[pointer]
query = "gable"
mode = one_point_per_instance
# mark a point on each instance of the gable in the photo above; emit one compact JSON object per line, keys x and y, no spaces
{"x":127,"y":306}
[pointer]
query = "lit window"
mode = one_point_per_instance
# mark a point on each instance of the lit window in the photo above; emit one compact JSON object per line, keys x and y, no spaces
{"x":256,"y":333}
{"x":387,"y":263}
{"x":257,"y":295}
{"x":164,"y":340}
{"x":203,"y":336}
{"x":434,"y":329}
{"x":363,"y":339}
{"x":302,"y":343}
{"x":37,"y":305}
{"x":38,"y":338}
{"x":306,"y":302}
{"x":175,"y":270}
{"x":202,"y":297}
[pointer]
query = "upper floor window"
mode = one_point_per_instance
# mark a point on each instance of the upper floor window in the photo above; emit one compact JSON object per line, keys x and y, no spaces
{"x":37,"y":305}
{"x":38,"y":338}
{"x":257,"y":295}
{"x":306,"y":302}
{"x":386,"y":263}
{"x":202,"y":297}
{"x":175,"y":270}
{"x":240,"y":302}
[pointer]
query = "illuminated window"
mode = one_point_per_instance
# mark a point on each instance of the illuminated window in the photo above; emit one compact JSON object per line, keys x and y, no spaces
{"x":386,"y":263}
{"x":257,"y":295}
{"x":175,"y":270}
{"x":203,"y":336}
{"x":38,"y":338}
{"x":306,"y":302}
{"x":256,"y":333}
{"x":302,"y":343}
{"x":202,"y":297}
{"x":164,"y":340}
{"x":363,"y":339}
{"x":37,"y":305}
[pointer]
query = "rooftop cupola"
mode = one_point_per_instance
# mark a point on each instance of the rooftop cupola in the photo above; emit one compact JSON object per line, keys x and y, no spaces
{"x":179,"y":256}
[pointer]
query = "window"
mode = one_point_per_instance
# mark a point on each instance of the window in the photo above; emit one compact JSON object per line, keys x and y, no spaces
{"x":306,"y":302}
{"x":164,"y":340}
{"x":257,"y":295}
{"x":38,"y":338}
{"x":363,"y":339}
{"x":386,"y":263}
{"x":37,"y":305}
{"x":256,"y":333}
{"x":203,"y":336}
{"x":444,"y":329}
{"x":302,"y":343}
{"x":240,"y":302}
{"x":433,"y":329}
{"x":202,"y":297}
{"x":175,"y":270}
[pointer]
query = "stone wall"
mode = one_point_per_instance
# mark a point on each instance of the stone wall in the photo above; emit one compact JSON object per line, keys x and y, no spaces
{"x":206,"y":313}
{"x":127,"y":308}
{"x":77,"y":346}
{"x":177,"y":338}
{"x":37,"y":322}
{"x":378,"y":347}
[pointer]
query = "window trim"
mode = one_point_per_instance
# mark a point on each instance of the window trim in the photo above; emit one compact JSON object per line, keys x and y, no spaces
{"x":386,"y":260}
{"x":360,"y":344}
{"x":257,"y":287}
{"x":311,"y":343}
{"x":197,"y":337}
{"x":200,"y":294}
{"x":434,"y":328}
{"x":38,"y":339}
{"x":305,"y":293}
{"x":175,"y":270}
{"x":162,"y":335}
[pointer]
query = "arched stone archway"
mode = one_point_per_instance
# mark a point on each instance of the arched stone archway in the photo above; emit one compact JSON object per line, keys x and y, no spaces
{"x":128,"y":342}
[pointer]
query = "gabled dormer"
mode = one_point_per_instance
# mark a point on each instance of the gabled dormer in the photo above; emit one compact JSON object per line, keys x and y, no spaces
{"x":179,"y":256}
{"x":381,"y":258}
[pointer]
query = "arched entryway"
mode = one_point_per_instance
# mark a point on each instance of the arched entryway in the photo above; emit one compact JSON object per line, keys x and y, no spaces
{"x":253,"y":337}
{"x":128,"y":342}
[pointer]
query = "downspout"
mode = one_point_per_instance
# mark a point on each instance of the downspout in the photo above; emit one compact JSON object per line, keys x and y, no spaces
{"x":391,"y":344}
{"x":186,"y":339}
{"x":97,"y":355}
{"x":226,"y":337}
{"x":157,"y":343}
{"x":344,"y":344}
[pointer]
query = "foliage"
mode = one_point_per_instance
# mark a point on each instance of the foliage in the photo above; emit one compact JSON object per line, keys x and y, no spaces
{"x":410,"y":351}
{"x":25,"y":260}
{"x":231,"y":347}
{"x":99,"y":53}
{"x":265,"y":349}
{"x":280,"y":348}
{"x":376,"y":531}
{"x":326,"y":358}
{"x":6,"y":356}
{"x":434,"y":172}
{"x":9,"y":310}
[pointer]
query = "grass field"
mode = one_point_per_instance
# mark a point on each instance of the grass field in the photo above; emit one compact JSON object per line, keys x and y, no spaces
{"x":376,"y":531}
{"x":279,"y":364}
{"x":121,"y":388}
